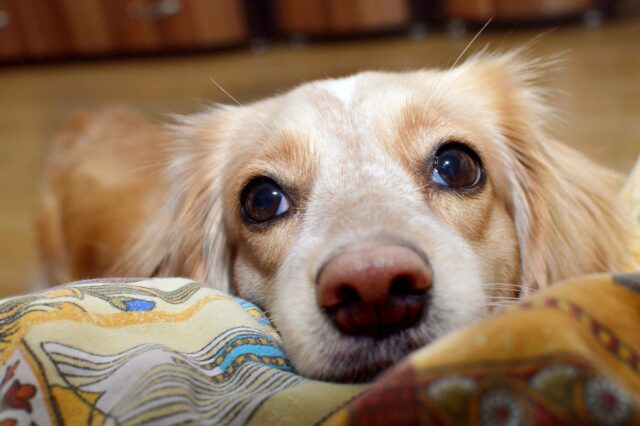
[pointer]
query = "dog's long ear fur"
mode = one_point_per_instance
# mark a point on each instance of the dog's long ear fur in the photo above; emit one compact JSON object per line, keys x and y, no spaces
{"x":568,"y":215}
{"x":186,"y":237}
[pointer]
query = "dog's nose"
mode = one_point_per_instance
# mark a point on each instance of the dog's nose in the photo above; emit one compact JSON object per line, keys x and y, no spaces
{"x":374,"y":289}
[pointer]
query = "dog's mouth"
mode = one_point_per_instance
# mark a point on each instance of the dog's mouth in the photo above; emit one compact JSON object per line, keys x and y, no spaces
{"x":356,"y":359}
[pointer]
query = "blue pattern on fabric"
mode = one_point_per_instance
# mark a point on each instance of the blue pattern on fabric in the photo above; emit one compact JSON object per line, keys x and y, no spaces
{"x":248,"y":306}
{"x":139,"y":305}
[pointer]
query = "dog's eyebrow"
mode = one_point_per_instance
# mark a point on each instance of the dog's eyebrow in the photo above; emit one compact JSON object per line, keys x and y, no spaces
{"x":289,"y":154}
{"x":284,"y":157}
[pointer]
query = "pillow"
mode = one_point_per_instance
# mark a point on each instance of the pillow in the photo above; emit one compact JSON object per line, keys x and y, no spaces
{"x":173,"y":351}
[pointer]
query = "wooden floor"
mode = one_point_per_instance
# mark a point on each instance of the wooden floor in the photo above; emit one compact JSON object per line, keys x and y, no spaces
{"x":601,"y":110}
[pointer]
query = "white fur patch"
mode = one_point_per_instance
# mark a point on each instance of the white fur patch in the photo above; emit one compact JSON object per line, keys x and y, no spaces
{"x":341,"y":88}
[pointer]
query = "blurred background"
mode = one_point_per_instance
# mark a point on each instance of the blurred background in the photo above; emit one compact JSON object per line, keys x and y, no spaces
{"x":62,"y":56}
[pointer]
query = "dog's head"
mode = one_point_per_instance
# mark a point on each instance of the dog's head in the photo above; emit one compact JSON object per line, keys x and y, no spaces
{"x":371,"y":214}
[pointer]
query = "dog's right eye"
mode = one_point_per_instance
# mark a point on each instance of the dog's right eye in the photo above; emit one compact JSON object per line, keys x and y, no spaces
{"x":456,"y":166}
{"x":263,"y":200}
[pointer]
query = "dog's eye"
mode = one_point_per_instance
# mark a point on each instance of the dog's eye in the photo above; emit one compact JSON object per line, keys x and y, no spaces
{"x":457,"y":167}
{"x":263,"y":200}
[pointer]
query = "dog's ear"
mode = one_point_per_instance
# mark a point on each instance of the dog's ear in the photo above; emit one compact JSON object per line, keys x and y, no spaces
{"x":186,"y":237}
{"x":568,"y":215}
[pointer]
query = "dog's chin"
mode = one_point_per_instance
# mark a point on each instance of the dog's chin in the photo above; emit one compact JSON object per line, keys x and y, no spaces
{"x":362,"y":358}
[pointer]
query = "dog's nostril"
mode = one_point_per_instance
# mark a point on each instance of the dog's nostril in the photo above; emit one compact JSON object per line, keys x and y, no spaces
{"x":347,"y":295}
{"x":404,"y":285}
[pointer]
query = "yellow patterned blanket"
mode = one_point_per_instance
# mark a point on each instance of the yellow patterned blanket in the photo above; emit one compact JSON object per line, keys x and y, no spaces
{"x":170,"y":351}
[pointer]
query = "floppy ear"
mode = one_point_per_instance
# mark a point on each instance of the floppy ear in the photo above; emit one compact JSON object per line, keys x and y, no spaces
{"x":568,"y":215}
{"x":186,"y":237}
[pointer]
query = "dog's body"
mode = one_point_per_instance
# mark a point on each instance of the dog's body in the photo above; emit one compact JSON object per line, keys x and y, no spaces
{"x":368,"y":215}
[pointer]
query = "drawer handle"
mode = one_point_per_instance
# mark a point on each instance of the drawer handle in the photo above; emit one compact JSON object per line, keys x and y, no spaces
{"x":5,"y":19}
{"x":157,"y":10}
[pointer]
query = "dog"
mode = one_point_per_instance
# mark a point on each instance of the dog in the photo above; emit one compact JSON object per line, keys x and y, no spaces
{"x":368,"y":215}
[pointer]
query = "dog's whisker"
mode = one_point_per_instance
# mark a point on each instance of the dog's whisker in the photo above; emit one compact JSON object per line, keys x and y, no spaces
{"x":438,"y":83}
{"x":225,"y":92}
{"x":471,"y":42}
{"x":509,"y":287}
{"x":502,"y":298}
{"x":501,"y":305}
{"x":505,"y":289}
{"x":504,"y":285}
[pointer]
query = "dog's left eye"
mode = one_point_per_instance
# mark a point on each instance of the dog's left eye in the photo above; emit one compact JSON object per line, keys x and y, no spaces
{"x":263,"y":200}
{"x":457,"y":167}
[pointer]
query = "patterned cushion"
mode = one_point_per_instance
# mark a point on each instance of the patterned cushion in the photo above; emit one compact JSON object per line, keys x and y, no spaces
{"x":169,"y":351}
{"x":139,"y":350}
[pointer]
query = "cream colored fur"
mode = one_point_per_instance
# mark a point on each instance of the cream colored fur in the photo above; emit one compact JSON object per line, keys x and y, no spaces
{"x":355,"y":153}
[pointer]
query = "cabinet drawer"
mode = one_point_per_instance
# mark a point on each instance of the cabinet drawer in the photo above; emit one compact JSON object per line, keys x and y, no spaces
{"x":88,"y":28}
{"x":505,"y":10}
{"x":11,"y":42}
{"x":472,"y":10}
{"x":134,"y":23}
{"x":38,"y":29}
{"x":331,"y":17}
{"x":205,"y":23}
{"x":32,"y":29}
{"x":155,"y":24}
{"x":525,"y":9}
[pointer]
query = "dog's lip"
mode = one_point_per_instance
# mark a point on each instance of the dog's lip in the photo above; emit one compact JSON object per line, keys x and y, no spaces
{"x":367,"y":357}
{"x":382,"y":331}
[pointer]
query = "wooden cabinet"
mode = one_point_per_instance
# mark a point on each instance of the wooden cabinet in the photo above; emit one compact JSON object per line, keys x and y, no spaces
{"x":523,"y":9}
{"x":11,"y":43}
{"x":177,"y":24}
{"x":88,"y":29}
{"x":331,"y":17}
{"x":38,"y":29}
{"x":132,"y":31}
{"x":46,"y":29}
{"x":36,"y":24}
{"x":505,"y":10}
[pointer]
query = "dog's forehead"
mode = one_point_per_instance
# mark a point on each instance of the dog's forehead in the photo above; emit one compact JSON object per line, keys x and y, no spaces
{"x":368,"y":87}
{"x":354,"y":111}
{"x":346,"y":104}
{"x":342,"y":89}
{"x":373,"y":97}
{"x":370,"y":117}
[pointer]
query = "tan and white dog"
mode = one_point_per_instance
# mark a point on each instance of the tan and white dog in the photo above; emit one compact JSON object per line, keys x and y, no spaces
{"x":368,"y":215}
